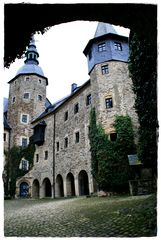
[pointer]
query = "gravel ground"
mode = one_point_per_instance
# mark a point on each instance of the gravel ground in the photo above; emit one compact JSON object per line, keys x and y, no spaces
{"x":81,"y":217}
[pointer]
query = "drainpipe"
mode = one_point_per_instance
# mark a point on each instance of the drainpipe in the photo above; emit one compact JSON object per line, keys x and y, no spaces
{"x":54,"y":156}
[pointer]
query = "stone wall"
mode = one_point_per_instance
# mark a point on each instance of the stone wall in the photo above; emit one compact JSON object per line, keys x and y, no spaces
{"x":18,"y":105}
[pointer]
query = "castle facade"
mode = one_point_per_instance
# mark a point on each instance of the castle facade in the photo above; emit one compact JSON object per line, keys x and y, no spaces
{"x":62,"y":160}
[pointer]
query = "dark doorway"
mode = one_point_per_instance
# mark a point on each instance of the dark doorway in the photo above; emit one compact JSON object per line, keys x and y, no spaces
{"x":35,"y":189}
{"x":70,"y":185}
{"x":47,"y":187}
{"x":59,"y":186}
{"x":83,"y":183}
{"x":24,"y":189}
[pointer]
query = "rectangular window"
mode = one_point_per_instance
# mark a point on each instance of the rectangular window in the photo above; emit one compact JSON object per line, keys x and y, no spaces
{"x":37,"y":157}
{"x":104,"y":69}
{"x":4,"y":137}
{"x":39,"y":97}
{"x":66,"y":142}
{"x":66,"y":116}
{"x":40,"y":81}
{"x":24,"y":118}
{"x":57,"y":146}
{"x":113,"y":137}
{"x":27,"y":79}
{"x":108,"y":103}
{"x":26,"y":96}
{"x":24,"y":142}
{"x":24,"y":165}
{"x":13,"y":99}
{"x":101,"y":47}
{"x":76,"y":108}
{"x":118,"y":46}
{"x":77,"y":137}
{"x":88,"y":100}
{"x":46,"y":155}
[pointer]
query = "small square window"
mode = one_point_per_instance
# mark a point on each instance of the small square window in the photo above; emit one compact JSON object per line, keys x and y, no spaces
{"x":88,"y":100}
{"x":24,"y":142}
{"x":113,"y":137}
{"x":26,"y":95}
{"x":40,"y":81}
{"x":66,"y":142}
{"x":118,"y":46}
{"x":108,"y":103}
{"x":77,"y":137}
{"x":104,"y":69}
{"x":101,"y":47}
{"x":66,"y":116}
{"x":57,"y":146}
{"x":46,"y":155}
{"x":27,"y":79}
{"x":24,"y":118}
{"x":76,"y":108}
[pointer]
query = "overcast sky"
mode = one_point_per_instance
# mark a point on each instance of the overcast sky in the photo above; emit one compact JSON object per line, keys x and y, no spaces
{"x":61,"y":57}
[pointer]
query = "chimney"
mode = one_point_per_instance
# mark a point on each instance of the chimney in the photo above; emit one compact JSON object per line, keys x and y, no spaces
{"x":73,"y":87}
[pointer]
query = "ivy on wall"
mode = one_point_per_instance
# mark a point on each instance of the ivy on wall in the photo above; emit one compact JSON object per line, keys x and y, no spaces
{"x":143,"y":71}
{"x":109,"y":159}
{"x":11,"y":169}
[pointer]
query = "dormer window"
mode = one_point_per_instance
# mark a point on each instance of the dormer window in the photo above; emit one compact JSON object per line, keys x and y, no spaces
{"x":39,"y":133}
{"x":102,"y":47}
{"x":118,"y":46}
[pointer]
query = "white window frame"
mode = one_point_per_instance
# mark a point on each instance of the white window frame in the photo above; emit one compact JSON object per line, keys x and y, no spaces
{"x":22,"y":117}
{"x":24,"y":137}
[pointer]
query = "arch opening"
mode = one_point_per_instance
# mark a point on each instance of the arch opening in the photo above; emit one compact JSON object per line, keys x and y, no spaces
{"x":70,"y":185}
{"x":59,"y":189}
{"x":24,"y":190}
{"x":83,"y":183}
{"x":47,"y":188}
{"x":35,"y":189}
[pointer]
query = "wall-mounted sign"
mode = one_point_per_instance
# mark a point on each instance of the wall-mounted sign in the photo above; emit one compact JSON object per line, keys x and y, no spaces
{"x":133,"y":159}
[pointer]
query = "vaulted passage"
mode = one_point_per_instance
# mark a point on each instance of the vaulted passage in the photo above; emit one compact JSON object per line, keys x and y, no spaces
{"x":46,"y":187}
{"x":59,"y":189}
{"x":70,"y":185}
{"x":35,"y":189}
{"x":24,"y":189}
{"x":83,"y":183}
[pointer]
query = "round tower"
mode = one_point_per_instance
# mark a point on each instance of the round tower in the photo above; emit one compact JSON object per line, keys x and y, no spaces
{"x":107,"y":55}
{"x":27,"y":96}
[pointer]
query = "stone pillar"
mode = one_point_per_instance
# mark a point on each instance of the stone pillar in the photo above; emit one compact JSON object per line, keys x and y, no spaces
{"x":41,"y":191}
{"x":65,"y":188}
{"x":76,"y":183}
{"x":91,"y":187}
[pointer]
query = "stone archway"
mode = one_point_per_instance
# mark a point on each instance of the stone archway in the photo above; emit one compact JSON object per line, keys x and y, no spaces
{"x":24,"y":190}
{"x":70,"y":185}
{"x":46,"y":185}
{"x":59,"y":189}
{"x":35,"y":189}
{"x":83,"y":183}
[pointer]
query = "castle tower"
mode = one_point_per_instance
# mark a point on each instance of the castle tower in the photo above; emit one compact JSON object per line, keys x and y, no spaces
{"x":27,"y":96}
{"x":107,"y":55}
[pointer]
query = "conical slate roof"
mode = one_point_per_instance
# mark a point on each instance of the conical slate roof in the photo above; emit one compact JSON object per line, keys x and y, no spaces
{"x":104,"y":28}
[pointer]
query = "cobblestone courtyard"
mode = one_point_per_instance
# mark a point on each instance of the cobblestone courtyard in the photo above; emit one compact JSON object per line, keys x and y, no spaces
{"x":81,"y":217}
